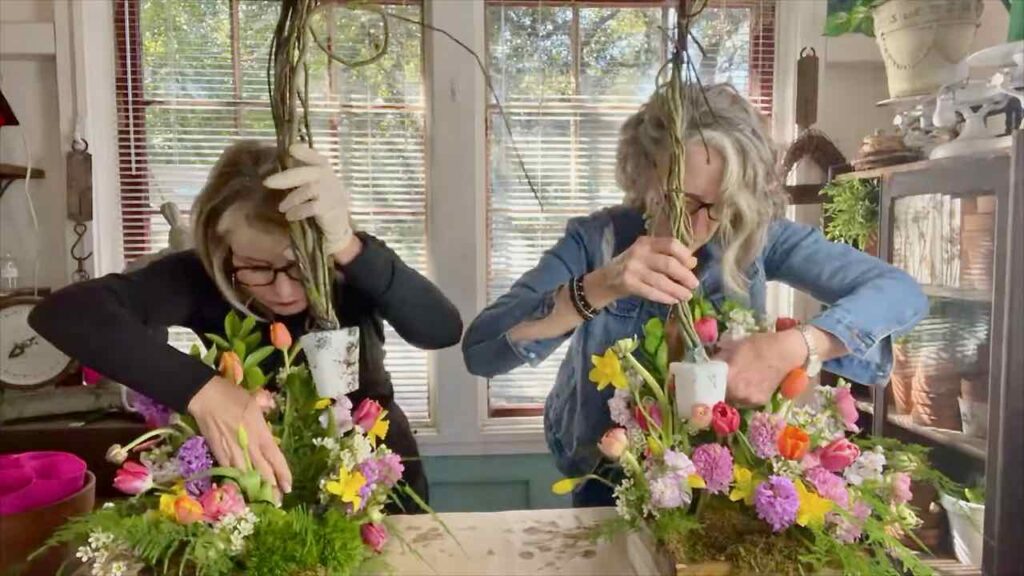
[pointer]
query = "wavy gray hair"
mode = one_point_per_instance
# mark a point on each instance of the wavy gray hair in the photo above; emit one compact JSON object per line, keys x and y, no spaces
{"x":752,"y":192}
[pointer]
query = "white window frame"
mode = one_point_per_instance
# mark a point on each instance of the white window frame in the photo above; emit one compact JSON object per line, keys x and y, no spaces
{"x":456,"y":182}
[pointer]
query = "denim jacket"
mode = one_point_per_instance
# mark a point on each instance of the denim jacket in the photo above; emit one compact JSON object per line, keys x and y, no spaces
{"x":868,"y":301}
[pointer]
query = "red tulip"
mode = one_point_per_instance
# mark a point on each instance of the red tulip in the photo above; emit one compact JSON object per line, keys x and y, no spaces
{"x":783,"y":323}
{"x":133,"y":478}
{"x":838,"y":454}
{"x":794,"y":384}
{"x":653,"y":410}
{"x":280,"y":337}
{"x":724,"y":419}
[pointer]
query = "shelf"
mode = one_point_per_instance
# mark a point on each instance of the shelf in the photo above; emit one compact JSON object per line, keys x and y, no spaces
{"x":969,"y":445}
{"x":12,"y":172}
{"x":954,"y":293}
{"x":961,"y":163}
{"x":950,"y":567}
{"x":800,"y":194}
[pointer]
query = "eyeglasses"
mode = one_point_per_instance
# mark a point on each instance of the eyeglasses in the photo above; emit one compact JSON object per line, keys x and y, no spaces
{"x":694,"y":205}
{"x":256,"y":276}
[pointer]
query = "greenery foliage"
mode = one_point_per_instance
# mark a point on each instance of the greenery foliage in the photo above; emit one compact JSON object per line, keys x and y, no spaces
{"x":851,"y":210}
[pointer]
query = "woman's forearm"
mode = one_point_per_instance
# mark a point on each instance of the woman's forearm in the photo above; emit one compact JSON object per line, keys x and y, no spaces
{"x":563,"y":317}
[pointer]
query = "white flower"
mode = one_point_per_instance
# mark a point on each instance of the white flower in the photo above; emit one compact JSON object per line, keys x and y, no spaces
{"x":84,"y":553}
{"x":619,"y":407}
{"x":866,"y":467}
{"x":361,"y":449}
{"x":118,"y":568}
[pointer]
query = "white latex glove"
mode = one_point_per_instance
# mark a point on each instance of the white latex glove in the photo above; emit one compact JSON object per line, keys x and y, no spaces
{"x":316,"y":192}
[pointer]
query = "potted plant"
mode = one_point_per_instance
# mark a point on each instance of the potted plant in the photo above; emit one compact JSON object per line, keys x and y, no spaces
{"x":966,"y":511}
{"x":923,"y":44}
{"x":851,"y":213}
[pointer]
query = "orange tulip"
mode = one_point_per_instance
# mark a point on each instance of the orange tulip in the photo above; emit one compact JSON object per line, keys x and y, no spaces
{"x":280,"y":337}
{"x":793,"y":443}
{"x":231,"y":367}
{"x":187,"y":509}
{"x":794,"y":384}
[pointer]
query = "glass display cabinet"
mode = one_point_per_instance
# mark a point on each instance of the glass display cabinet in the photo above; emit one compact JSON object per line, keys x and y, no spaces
{"x":957,"y":226}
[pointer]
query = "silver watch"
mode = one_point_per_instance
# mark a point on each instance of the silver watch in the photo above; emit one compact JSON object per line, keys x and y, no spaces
{"x":813,"y":364}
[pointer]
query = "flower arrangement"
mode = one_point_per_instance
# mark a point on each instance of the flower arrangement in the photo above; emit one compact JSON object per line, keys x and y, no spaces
{"x":788,"y":488}
{"x":189,"y":515}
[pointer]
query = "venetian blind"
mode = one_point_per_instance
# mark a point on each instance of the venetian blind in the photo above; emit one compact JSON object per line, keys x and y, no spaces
{"x":191,"y":79}
{"x":567,"y":74}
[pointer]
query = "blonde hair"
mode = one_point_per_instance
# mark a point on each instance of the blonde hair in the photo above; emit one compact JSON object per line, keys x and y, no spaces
{"x":752,"y":194}
{"x":234,"y":195}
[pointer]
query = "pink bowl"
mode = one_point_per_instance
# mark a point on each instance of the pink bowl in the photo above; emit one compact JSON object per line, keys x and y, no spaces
{"x":34,"y":479}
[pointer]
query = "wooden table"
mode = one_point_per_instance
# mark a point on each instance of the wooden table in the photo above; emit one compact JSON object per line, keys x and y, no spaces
{"x":520,"y":542}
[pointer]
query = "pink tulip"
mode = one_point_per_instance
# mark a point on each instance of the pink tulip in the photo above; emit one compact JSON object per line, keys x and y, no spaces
{"x":653,"y":410}
{"x":901,"y":493}
{"x":847,"y":408}
{"x":374,"y":535}
{"x":614,"y":443}
{"x":838,"y":454}
{"x":220,"y":502}
{"x":700,"y":416}
{"x":707,"y":329}
{"x":133,"y":478}
{"x":366,"y":414}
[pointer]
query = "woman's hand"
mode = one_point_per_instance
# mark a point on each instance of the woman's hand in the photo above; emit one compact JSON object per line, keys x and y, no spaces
{"x":654,"y":268}
{"x":221,"y":408}
{"x":316,"y":192}
{"x":758,"y":363}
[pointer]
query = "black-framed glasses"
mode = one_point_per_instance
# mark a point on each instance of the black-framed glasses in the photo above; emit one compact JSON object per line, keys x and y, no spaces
{"x":694,"y":205}
{"x":257,"y":276}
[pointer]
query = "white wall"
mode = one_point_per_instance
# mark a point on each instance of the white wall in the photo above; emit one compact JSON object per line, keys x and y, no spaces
{"x":30,"y":85}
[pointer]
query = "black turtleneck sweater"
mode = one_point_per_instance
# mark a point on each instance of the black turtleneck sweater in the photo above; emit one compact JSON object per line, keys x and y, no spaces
{"x":117,"y":324}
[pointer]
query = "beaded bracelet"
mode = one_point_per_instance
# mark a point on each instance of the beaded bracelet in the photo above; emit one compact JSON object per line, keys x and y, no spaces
{"x":579,"y":301}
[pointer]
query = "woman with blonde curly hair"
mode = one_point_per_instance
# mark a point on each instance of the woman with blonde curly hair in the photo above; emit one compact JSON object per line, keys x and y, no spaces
{"x":623,"y":263}
{"x":243,"y":260}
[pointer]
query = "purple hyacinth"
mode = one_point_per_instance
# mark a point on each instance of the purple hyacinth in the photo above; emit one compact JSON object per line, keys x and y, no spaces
{"x":776,"y":502}
{"x":386,"y":470}
{"x":828,"y":485}
{"x":763,"y":434}
{"x":714,"y":465}
{"x":194,"y":458}
{"x":155,"y":414}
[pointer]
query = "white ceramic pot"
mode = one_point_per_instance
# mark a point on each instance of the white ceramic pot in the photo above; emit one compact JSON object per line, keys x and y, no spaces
{"x":974,"y":416}
{"x":698,"y":383}
{"x":925,"y":44}
{"x":333,"y":359}
{"x":966,"y":524}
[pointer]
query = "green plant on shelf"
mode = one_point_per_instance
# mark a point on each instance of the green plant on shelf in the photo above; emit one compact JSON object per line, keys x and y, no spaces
{"x":851,"y":211}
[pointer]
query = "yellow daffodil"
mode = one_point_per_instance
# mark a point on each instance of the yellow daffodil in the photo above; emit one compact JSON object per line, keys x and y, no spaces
{"x":745,"y":485}
{"x":607,"y":370}
{"x":566,"y":485}
{"x":322,"y":404}
{"x":379,"y":429}
{"x":696,"y":481}
{"x":813,"y":508}
{"x":167,"y":499}
{"x":347,"y":487}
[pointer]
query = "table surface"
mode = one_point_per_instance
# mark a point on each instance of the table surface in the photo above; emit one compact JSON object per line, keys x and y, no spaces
{"x":520,"y":542}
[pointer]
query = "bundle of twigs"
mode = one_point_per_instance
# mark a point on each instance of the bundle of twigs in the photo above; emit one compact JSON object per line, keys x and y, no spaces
{"x":672,"y":97}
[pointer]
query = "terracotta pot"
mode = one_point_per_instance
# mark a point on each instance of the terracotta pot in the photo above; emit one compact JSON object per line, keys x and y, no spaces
{"x":26,"y":532}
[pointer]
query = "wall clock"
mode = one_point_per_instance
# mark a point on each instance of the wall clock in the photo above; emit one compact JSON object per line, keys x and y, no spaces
{"x":26,"y":359}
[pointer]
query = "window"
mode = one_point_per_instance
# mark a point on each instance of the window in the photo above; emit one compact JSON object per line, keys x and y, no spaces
{"x":567,"y":74}
{"x":191,"y":78}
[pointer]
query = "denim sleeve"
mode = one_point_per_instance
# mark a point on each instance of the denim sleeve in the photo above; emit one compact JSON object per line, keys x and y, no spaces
{"x":486,"y":347}
{"x":868,"y":301}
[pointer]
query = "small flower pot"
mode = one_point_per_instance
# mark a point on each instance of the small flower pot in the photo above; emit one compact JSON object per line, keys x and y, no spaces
{"x":966,"y":526}
{"x":698,"y":383}
{"x":974,"y":416}
{"x":333,"y":359}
